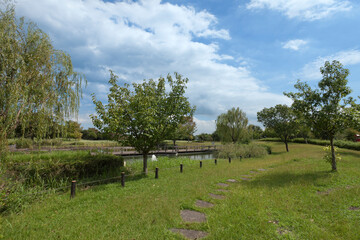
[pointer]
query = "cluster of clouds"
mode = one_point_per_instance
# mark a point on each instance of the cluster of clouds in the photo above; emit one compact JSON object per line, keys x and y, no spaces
{"x":148,"y":38}
{"x":308,"y":10}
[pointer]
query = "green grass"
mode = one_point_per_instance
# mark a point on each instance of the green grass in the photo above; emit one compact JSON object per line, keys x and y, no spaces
{"x":296,"y":198}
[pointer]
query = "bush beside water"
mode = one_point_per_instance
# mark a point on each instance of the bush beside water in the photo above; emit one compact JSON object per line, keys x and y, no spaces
{"x":243,"y":150}
{"x":25,"y":174}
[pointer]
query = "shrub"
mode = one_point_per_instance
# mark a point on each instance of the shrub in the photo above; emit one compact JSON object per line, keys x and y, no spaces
{"x":24,"y":143}
{"x":242,"y":150}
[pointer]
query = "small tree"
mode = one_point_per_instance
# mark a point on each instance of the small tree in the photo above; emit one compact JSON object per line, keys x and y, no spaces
{"x":327,"y":109}
{"x":281,"y":119}
{"x":232,"y":126}
{"x":144,"y":116}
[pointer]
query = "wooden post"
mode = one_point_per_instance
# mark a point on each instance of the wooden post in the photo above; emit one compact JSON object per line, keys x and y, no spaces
{"x":215,"y":161}
{"x":200,"y":164}
{"x":229,"y":159}
{"x":156,"y":173}
{"x":123,"y":179}
{"x":73,"y":189}
{"x":181,"y":168}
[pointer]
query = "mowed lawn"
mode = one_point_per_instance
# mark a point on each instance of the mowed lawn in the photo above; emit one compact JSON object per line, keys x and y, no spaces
{"x":297,"y":197}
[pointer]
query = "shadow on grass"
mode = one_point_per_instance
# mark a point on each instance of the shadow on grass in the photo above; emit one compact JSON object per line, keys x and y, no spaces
{"x":281,"y":179}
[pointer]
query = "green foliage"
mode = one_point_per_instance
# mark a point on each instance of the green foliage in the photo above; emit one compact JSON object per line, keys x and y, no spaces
{"x":337,"y":143}
{"x":24,"y":143}
{"x":232,"y":126}
{"x":184,"y":131}
{"x":255,"y":131}
{"x":73,"y":130}
{"x":144,"y":116}
{"x":35,"y":79}
{"x":234,"y":150}
{"x":281,"y":119}
{"x":327,"y":110}
{"x":204,"y":137}
{"x":328,"y":154}
{"x":29,"y":173}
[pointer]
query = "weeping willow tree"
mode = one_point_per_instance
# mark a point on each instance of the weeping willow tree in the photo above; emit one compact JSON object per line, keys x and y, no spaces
{"x":36,"y":80}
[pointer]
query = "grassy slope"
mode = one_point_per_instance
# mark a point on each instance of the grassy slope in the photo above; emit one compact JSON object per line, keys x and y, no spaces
{"x":283,"y":199}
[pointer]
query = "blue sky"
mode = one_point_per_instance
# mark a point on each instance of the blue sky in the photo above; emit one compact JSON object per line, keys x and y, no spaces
{"x":236,"y":53}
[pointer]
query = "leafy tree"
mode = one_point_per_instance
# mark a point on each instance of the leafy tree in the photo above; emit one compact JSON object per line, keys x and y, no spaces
{"x":327,"y":109}
{"x":281,"y":119}
{"x":91,"y":134}
{"x":144,"y":116}
{"x":255,"y":131}
{"x":184,"y":131}
{"x":232,"y":126}
{"x":204,"y":137}
{"x":35,"y":79}
{"x":73,"y":130}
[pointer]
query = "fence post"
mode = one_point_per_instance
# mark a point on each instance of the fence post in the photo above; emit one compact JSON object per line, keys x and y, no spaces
{"x":229,"y":159}
{"x":73,"y":189}
{"x":156,"y":173}
{"x":215,"y":161}
{"x":200,"y":164}
{"x":122,"y":179}
{"x":181,"y":168}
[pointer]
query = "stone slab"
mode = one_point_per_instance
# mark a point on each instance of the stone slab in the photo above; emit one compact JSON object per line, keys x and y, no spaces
{"x":190,"y":234}
{"x":231,"y":180}
{"x":216,"y":196}
{"x":191,"y":216}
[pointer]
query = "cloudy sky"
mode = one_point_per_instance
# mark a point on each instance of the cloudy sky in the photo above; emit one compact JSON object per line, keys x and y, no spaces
{"x":236,"y":53}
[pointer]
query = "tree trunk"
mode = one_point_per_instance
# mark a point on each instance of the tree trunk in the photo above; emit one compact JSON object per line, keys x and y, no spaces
{"x":286,"y":145}
{"x":333,"y":156}
{"x":145,"y":170}
{"x":174,"y":141}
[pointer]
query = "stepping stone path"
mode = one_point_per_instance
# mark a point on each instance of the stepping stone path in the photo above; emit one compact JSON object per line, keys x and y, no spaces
{"x":216,"y":196}
{"x":191,"y":216}
{"x":231,"y":180}
{"x":203,"y":204}
{"x":223,"y":184}
{"x":190,"y":234}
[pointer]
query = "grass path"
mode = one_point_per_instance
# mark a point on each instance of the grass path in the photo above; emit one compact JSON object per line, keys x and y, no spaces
{"x":298,"y":198}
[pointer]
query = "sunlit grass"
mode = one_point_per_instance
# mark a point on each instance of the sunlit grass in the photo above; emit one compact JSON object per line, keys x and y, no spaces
{"x":296,"y":198}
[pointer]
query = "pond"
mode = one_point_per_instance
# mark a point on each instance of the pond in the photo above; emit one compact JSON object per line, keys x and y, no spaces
{"x":192,"y":156}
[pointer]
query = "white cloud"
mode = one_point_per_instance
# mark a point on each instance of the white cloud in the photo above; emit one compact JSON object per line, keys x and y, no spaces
{"x":304,"y":9}
{"x":311,"y":71}
{"x":294,"y":44}
{"x":146,"y":39}
{"x":203,"y":126}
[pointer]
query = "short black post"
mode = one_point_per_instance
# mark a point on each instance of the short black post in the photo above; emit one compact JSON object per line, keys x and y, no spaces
{"x":215,"y":161}
{"x":200,"y":164}
{"x":181,"y":168}
{"x":229,"y":159}
{"x":123,"y":179}
{"x":156,"y":173}
{"x":73,"y":189}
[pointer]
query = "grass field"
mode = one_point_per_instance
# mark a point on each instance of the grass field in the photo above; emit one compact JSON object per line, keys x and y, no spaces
{"x":297,"y":197}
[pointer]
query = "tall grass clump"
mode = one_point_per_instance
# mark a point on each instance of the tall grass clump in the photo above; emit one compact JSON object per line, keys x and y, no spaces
{"x":232,"y":150}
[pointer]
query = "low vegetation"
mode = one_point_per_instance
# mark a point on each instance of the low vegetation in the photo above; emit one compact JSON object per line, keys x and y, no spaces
{"x":297,"y":197}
